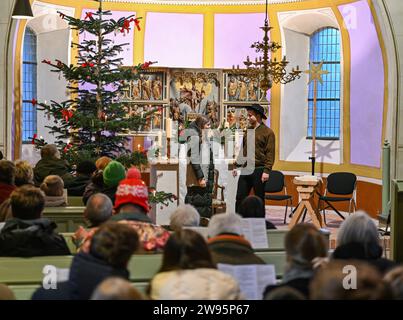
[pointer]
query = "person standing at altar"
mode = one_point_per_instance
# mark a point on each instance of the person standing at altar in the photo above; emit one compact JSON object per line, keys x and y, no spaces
{"x":200,"y":168}
{"x":263,"y":157}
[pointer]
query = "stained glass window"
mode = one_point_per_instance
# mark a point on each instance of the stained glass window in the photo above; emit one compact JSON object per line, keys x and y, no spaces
{"x":325,"y":46}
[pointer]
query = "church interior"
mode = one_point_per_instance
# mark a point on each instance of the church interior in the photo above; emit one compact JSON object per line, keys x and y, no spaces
{"x":101,"y":100}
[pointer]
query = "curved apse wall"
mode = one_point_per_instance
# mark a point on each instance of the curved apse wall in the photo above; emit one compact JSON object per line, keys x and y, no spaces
{"x":367,"y":85}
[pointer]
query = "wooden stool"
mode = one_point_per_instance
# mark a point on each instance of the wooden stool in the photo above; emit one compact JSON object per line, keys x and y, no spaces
{"x":306,"y":189}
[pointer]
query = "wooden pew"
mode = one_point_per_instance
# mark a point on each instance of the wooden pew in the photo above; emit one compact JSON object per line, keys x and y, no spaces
{"x":24,"y":275}
{"x":75,"y":201}
{"x":68,"y":219}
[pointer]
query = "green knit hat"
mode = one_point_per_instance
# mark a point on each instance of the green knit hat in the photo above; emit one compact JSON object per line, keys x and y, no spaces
{"x":113,"y":173}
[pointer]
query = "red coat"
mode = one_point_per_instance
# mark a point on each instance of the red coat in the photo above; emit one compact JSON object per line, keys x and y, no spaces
{"x":5,"y":191}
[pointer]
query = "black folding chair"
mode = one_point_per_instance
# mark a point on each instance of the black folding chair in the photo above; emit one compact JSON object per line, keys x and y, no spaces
{"x":276,"y":184}
{"x":340,"y":184}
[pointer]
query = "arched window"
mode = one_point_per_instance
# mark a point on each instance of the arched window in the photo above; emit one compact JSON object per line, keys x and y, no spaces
{"x":29,"y":85}
{"x":325,"y":46}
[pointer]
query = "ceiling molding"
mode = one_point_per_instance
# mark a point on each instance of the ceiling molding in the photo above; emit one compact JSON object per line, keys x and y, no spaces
{"x":203,"y":2}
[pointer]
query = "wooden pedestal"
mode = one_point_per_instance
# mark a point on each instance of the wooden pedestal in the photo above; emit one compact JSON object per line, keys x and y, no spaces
{"x":306,"y":190}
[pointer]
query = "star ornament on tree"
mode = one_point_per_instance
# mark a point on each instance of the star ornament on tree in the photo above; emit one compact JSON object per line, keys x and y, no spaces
{"x":315,"y":72}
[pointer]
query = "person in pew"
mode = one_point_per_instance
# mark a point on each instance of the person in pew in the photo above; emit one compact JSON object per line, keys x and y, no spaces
{"x":131,"y":207}
{"x":27,"y":234}
{"x":7,"y":178}
{"x":84,"y":172}
{"x":303,"y":244}
{"x":96,"y":183}
{"x":253,"y":207}
{"x":358,"y":238}
{"x":112,"y":246}
{"x":226,"y":243}
{"x":185,"y":215}
{"x":188,"y":272}
{"x":330,"y":281}
{"x":284,"y":293}
{"x":53,"y":187}
{"x":113,"y":173}
{"x":98,"y":210}
{"x":51,"y":164}
{"x":5,"y":212}
{"x":394,"y":278}
{"x":116,"y":289}
{"x":24,"y":173}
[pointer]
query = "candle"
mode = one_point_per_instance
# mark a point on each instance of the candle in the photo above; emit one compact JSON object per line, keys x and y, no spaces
{"x":169,"y":128}
{"x":138,"y":147}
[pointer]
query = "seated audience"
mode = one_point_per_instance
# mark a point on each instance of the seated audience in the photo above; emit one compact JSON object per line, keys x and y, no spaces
{"x":24,"y":174}
{"x":303,"y":244}
{"x":394,"y":278}
{"x":329,"y":283}
{"x":188,"y":273}
{"x":53,"y":187}
{"x":358,"y":238}
{"x":6,"y":293}
{"x":226,"y":242}
{"x":109,"y":254}
{"x":253,"y":207}
{"x":131,"y":208}
{"x":113,"y":173}
{"x":5,"y":212}
{"x":84,"y":171}
{"x":27,"y":234}
{"x":133,"y":173}
{"x":98,"y":210}
{"x":7,"y":177}
{"x":51,"y":164}
{"x":185,"y":215}
{"x":97,"y":180}
{"x":102,"y":162}
{"x":116,"y":289}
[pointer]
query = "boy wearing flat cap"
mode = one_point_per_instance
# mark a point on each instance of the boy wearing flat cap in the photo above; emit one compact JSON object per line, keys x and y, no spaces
{"x":263,"y":156}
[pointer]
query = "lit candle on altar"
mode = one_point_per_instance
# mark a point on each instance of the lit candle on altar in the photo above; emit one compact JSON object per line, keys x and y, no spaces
{"x":168,"y":128}
{"x":138,"y":147}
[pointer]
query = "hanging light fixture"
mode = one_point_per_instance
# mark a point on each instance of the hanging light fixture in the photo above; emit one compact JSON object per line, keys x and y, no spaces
{"x":264,"y":69}
{"x":22,"y":10}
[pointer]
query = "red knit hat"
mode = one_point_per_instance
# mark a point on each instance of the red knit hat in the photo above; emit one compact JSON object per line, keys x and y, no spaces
{"x":132,"y":191}
{"x":133,"y":173}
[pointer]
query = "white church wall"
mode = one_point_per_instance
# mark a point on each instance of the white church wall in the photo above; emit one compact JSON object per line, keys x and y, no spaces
{"x":294,"y":96}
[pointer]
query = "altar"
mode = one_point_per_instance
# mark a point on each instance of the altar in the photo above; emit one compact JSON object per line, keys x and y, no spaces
{"x":170,"y":176}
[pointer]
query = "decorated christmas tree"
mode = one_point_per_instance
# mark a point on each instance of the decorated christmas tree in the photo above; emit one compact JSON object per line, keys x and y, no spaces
{"x":90,"y":124}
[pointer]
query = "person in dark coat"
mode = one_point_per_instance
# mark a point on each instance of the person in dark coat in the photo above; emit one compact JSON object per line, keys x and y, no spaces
{"x":358,"y":239}
{"x":303,"y":244}
{"x":105,"y":181}
{"x":226,"y":243}
{"x":253,"y":207}
{"x":27,"y":234}
{"x":51,"y":164}
{"x":111,"y":248}
{"x":199,"y":175}
{"x":76,"y":186}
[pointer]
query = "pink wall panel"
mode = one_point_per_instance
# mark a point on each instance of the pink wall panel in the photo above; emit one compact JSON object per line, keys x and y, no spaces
{"x":174,"y":40}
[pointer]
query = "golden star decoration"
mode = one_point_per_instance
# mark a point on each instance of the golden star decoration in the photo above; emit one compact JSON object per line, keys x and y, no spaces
{"x":315,"y":72}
